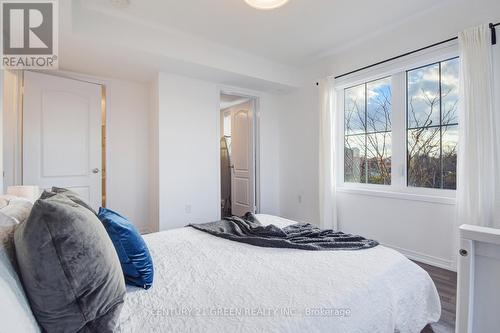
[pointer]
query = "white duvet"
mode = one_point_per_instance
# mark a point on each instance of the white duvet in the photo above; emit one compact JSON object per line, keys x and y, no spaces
{"x":208,"y":284}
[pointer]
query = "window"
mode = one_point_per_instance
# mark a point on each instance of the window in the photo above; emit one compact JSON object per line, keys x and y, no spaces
{"x":367,"y":132}
{"x":400,"y":130}
{"x":432,"y":125}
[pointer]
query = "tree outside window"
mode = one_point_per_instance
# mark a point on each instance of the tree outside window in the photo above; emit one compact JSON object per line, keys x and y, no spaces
{"x":432,"y":125}
{"x":367,"y":121}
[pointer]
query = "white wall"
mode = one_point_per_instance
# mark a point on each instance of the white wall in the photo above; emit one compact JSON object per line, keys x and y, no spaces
{"x":189,"y":152}
{"x":128,"y":151}
{"x":422,"y":230}
{"x":299,"y":152}
{"x":170,"y":125}
{"x":128,"y":145}
{"x":270,"y":119}
{"x":418,"y":229}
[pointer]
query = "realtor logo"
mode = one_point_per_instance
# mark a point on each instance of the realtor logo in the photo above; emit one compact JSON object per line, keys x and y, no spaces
{"x":29,"y":38}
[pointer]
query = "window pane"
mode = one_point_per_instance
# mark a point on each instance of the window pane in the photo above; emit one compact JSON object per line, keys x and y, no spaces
{"x":432,"y":125}
{"x":450,"y":142}
{"x":378,"y":105}
{"x":354,"y":110}
{"x":423,"y":96}
{"x":424,"y":163}
{"x":378,"y":158}
{"x":449,"y":91}
{"x":354,"y":159}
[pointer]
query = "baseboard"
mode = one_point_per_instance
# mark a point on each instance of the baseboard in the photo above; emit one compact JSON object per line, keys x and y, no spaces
{"x":425,"y":258}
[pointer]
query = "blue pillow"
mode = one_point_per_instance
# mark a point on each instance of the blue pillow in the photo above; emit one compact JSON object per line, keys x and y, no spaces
{"x":133,"y":253}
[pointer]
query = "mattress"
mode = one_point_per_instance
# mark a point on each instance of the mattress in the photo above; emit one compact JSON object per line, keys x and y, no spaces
{"x":208,"y":284}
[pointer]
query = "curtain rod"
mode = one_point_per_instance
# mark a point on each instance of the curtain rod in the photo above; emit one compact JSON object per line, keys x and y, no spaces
{"x":493,"y":41}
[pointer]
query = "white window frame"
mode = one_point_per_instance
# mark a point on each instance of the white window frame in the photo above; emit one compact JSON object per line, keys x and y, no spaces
{"x":397,"y":71}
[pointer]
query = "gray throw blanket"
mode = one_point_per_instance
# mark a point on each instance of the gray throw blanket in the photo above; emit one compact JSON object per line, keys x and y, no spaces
{"x":303,"y":236}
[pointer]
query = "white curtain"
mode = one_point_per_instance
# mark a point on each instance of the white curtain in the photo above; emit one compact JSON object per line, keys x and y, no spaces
{"x":477,"y":149}
{"x":328,"y":212}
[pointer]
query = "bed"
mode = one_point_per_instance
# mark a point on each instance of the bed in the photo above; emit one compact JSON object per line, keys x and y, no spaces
{"x":208,"y":284}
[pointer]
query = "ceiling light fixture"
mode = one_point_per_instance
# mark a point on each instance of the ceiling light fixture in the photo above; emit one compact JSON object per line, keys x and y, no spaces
{"x":266,"y":4}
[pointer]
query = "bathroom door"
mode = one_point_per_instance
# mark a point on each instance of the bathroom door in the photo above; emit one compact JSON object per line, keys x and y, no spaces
{"x":243,"y":161}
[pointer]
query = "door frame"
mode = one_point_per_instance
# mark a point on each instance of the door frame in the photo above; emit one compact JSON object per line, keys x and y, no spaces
{"x":255,"y":98}
{"x":12,"y":91}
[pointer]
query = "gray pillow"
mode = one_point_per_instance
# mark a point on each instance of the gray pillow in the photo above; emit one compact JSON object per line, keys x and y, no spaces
{"x":73,"y":196}
{"x":69,"y":267}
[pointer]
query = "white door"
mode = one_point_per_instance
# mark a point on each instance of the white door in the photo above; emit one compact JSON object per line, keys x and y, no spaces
{"x":62,"y":135}
{"x":242,"y":163}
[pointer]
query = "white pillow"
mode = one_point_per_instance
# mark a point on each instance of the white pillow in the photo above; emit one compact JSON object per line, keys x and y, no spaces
{"x":280,"y":222}
{"x":15,"y":311}
{"x":18,"y":208}
{"x":5,"y":199}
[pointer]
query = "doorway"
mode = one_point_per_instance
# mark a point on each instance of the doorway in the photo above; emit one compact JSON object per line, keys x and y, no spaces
{"x":238,"y":154}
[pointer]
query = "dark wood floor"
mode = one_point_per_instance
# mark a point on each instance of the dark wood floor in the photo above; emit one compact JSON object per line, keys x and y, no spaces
{"x":446,"y":284}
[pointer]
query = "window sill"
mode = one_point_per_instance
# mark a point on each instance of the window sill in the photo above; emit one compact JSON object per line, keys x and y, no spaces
{"x":435,"y":199}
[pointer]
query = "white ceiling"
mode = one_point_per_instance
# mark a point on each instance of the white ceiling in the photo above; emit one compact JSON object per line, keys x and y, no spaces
{"x":234,"y":45}
{"x":98,"y":39}
{"x":294,"y":34}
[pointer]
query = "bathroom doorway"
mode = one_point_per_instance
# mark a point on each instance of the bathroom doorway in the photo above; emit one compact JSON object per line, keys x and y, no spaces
{"x":237,"y":154}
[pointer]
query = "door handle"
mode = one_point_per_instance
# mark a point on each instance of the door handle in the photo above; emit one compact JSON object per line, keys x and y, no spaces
{"x":96,"y":170}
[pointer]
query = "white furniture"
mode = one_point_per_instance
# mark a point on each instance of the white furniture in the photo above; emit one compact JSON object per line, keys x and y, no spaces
{"x":478,"y":280}
{"x":208,"y":284}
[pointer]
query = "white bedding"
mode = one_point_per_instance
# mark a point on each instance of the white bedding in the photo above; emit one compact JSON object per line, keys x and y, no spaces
{"x":208,"y":284}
